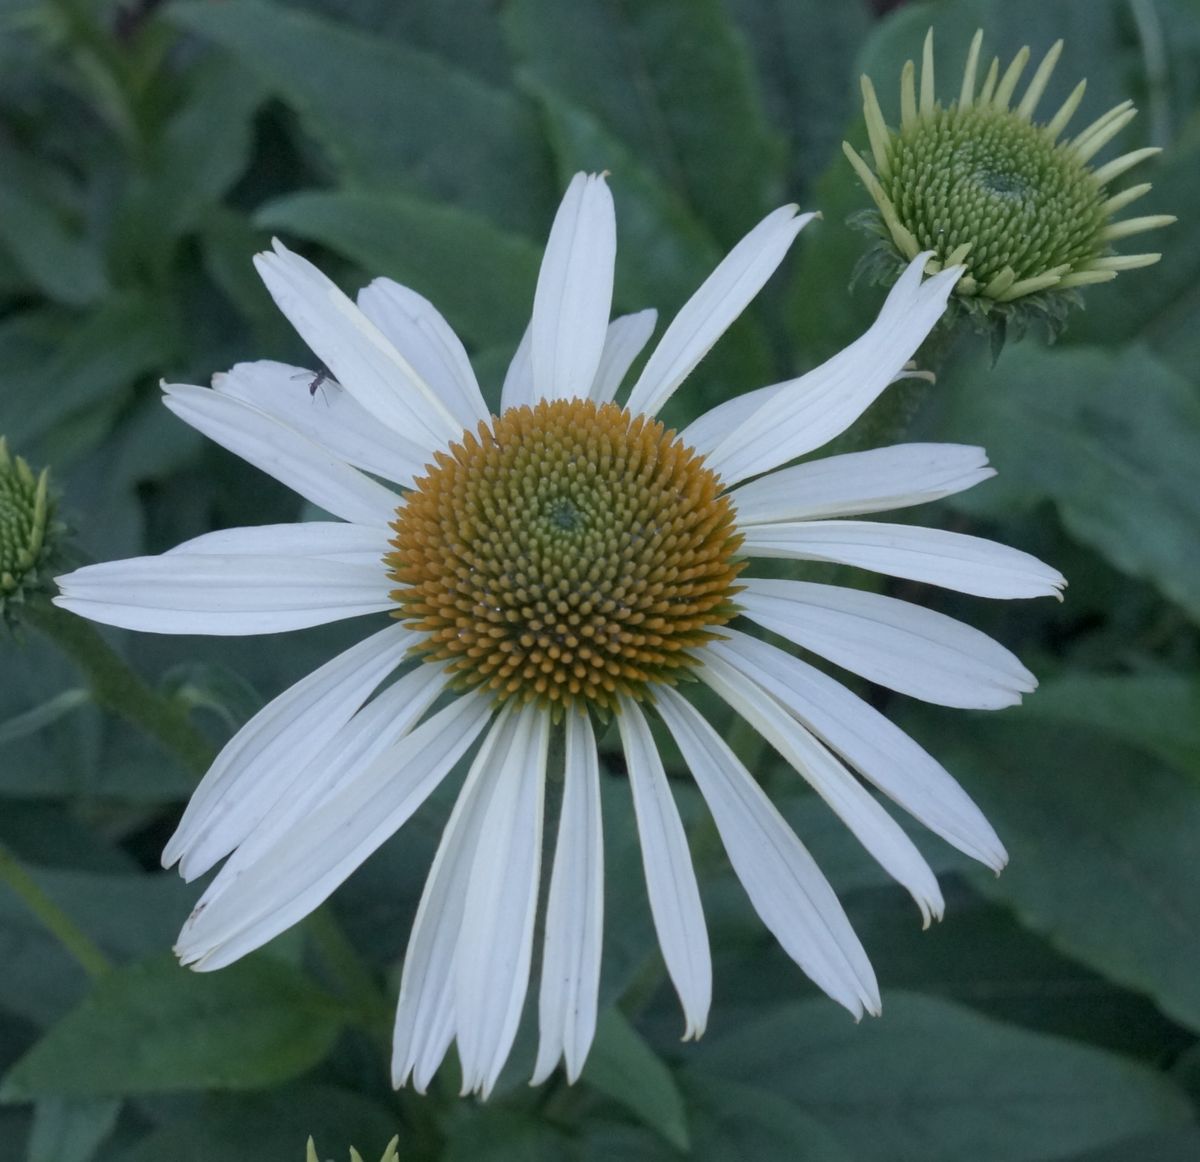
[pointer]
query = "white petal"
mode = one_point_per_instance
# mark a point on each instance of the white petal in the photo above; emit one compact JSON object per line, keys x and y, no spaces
{"x":670,"y":879}
{"x":809,"y":411}
{"x":706,"y":316}
{"x":306,"y":468}
{"x":574,"y":913}
{"x":330,"y":417}
{"x":355,"y":351}
{"x":309,"y":862}
{"x":425,"y":1014}
{"x":224,"y":595}
{"x":624,"y":342}
{"x":419,"y":332}
{"x":858,"y":482}
{"x":574,"y":291}
{"x":874,"y":828}
{"x":329,"y":540}
{"x":380,"y":724}
{"x":495,"y":942}
{"x":879,"y":750}
{"x":785,"y":886}
{"x":707,"y":431}
{"x":518,"y":380}
{"x":258,"y":764}
{"x":911,"y":650}
{"x":934,"y":556}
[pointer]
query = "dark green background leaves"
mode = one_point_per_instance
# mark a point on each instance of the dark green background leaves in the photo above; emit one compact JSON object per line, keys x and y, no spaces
{"x":148,"y":151}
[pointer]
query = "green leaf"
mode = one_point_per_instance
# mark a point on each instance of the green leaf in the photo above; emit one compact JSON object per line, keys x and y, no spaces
{"x":1182,"y":1145}
{"x":479,"y":276}
{"x":72,"y":1129}
{"x":495,"y":1134}
{"x":205,"y":147}
{"x":388,"y":115}
{"x":1156,"y":306}
{"x":935,"y":1082}
{"x":622,"y":1066}
{"x":1113,"y":438}
{"x":155,"y":1027}
{"x":735,"y":1121}
{"x":126,"y":915}
{"x":55,"y":367}
{"x":44,"y":714}
{"x":1102,"y":842}
{"x":805,"y":53}
{"x":216,"y":688}
{"x":1156,"y":712}
{"x":271,"y":1127}
{"x":34,"y":227}
{"x":673,"y":81}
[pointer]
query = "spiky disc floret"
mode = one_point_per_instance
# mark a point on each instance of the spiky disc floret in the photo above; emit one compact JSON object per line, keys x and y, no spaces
{"x":981,"y":184}
{"x":27,"y":532}
{"x":566,"y":553}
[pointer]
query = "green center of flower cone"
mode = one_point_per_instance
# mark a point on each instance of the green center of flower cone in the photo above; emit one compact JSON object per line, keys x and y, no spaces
{"x":566,"y":553}
{"x":985,"y":177}
{"x":23,"y":517}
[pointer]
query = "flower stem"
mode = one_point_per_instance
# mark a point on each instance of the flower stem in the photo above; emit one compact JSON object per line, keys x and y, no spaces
{"x":887,"y":420}
{"x":116,"y":687}
{"x":53,"y":918}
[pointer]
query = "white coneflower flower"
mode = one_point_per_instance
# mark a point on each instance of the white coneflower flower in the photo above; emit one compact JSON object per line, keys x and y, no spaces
{"x":982,"y":184}
{"x":563,"y":562}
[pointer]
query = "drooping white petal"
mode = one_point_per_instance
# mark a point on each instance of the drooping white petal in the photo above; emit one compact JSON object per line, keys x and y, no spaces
{"x":417,"y":329}
{"x":934,"y":556}
{"x":495,"y":941}
{"x":706,"y":316}
{"x":257,"y":765}
{"x":809,"y":411}
{"x":518,"y":380}
{"x":306,"y":468}
{"x":574,"y":913}
{"x":874,"y":828}
{"x":330,"y":417}
{"x":305,"y":866}
{"x":783,"y":882}
{"x":911,"y":650}
{"x":223,"y":595}
{"x":355,"y":351}
{"x":878,"y":749}
{"x":708,"y":430}
{"x":670,"y":878}
{"x":574,"y":291}
{"x":624,"y":342}
{"x":380,"y":724}
{"x":425,"y":1017}
{"x":879,"y":480}
{"x":329,"y":540}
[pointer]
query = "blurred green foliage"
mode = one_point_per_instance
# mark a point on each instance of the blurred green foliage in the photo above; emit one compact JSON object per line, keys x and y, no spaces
{"x":147,"y":150}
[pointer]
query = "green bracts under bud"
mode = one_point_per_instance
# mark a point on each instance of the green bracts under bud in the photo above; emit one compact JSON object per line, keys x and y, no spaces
{"x":27,"y":531}
{"x":391,"y":1154}
{"x":983,"y":186}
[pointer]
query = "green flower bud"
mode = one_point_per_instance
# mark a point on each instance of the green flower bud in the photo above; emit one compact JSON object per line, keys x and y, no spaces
{"x":984,"y":186}
{"x":391,"y":1154}
{"x":28,"y":532}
